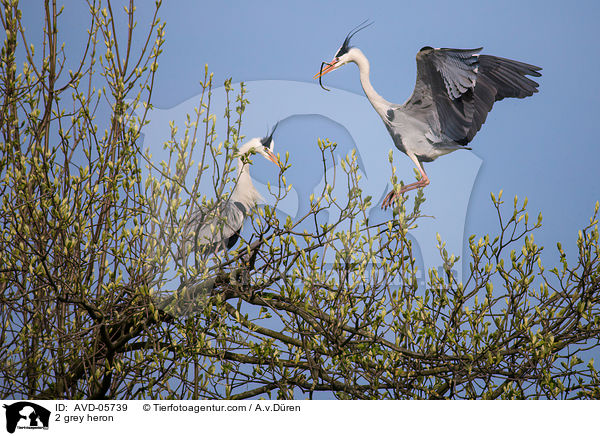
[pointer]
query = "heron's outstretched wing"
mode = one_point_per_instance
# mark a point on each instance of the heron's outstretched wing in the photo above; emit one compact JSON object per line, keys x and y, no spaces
{"x":455,"y":89}
{"x":500,"y":78}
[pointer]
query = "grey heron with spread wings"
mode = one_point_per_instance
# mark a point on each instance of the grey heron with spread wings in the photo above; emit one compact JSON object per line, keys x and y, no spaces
{"x":454,"y":91}
{"x":221,"y":230}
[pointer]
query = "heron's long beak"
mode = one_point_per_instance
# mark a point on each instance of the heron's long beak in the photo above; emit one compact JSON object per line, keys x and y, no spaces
{"x":271,"y":156}
{"x":330,"y":67}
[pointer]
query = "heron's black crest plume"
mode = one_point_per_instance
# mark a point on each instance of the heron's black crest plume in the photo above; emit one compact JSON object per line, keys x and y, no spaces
{"x":266,"y":141}
{"x":346,"y":45}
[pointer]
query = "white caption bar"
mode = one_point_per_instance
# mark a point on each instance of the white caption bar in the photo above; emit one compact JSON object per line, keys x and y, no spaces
{"x":279,"y":418}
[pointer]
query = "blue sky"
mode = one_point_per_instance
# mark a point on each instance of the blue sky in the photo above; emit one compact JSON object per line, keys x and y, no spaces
{"x":543,"y":147}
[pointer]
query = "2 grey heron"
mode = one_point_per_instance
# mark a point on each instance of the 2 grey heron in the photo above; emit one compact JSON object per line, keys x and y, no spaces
{"x":223,"y":229}
{"x":454,"y":91}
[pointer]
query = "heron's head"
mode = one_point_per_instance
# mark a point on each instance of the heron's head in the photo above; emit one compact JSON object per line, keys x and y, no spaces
{"x":342,"y":56}
{"x":263,"y":146}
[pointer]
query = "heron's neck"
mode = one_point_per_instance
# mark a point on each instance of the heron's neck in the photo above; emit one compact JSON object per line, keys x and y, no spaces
{"x":379,"y":103}
{"x":244,"y":190}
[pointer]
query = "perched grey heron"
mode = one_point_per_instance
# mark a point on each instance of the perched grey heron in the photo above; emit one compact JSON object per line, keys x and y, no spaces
{"x":223,"y":231}
{"x":455,"y":90}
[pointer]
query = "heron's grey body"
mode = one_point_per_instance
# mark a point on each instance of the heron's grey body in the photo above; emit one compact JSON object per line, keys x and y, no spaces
{"x":454,"y":91}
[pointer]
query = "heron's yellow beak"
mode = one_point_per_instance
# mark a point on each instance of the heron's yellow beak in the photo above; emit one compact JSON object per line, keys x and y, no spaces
{"x":271,"y":156}
{"x":330,"y":67}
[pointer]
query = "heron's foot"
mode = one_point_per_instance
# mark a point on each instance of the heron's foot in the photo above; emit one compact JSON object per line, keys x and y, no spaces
{"x":389,"y":199}
{"x":392,"y":196}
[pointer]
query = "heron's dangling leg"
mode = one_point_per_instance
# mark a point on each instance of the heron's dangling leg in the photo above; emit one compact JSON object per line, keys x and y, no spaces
{"x":392,"y":196}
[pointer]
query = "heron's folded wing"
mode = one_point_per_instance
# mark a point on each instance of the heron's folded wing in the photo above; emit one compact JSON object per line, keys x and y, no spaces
{"x":209,"y":231}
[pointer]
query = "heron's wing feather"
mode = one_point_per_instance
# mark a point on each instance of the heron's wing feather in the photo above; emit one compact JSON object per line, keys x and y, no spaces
{"x":455,"y":89}
{"x":233,"y":239}
{"x":500,"y":78}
